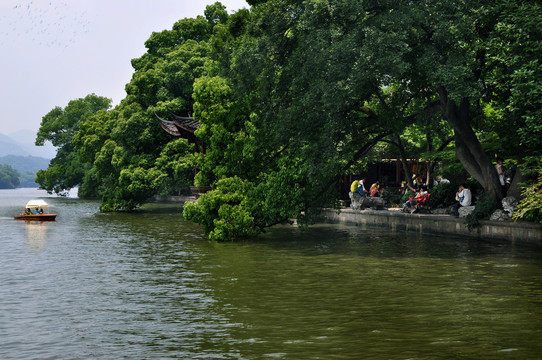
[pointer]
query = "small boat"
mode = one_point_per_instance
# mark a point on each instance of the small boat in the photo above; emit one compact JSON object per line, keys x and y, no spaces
{"x":35,"y":204}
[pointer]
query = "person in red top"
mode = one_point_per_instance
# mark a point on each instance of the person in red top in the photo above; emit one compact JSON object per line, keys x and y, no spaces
{"x":419,"y":198}
{"x":374,"y":189}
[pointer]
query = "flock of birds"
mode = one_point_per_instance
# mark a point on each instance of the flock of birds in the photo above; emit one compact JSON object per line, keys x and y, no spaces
{"x":55,"y":24}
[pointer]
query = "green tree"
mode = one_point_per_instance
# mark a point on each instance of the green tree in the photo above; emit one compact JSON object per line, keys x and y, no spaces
{"x":291,"y":94}
{"x":227,"y":211}
{"x":530,"y":206}
{"x":9,"y":177}
{"x":465,"y":54}
{"x":513,"y":62}
{"x":286,"y":121}
{"x":66,"y":170}
{"x":309,"y":87}
{"x":132,"y":157}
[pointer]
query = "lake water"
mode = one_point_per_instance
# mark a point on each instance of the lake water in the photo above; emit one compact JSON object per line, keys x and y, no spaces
{"x":148,"y":285}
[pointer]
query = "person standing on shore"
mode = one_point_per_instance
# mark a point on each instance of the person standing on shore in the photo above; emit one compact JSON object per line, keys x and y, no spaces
{"x":500,"y":171}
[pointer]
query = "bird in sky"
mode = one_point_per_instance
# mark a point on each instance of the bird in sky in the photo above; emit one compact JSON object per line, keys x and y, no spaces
{"x":53,"y":24}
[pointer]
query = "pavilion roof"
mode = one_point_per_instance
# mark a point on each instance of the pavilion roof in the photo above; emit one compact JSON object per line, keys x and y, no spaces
{"x":180,"y":126}
{"x":187,"y":123}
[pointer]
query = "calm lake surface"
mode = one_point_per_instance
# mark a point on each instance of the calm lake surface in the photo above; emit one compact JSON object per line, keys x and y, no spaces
{"x":148,"y":285}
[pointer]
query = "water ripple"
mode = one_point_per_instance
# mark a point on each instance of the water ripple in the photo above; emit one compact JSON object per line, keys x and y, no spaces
{"x":149,"y":285}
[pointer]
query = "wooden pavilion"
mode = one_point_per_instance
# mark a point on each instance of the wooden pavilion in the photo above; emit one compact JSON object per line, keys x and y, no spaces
{"x":184,"y":127}
{"x":181,"y":126}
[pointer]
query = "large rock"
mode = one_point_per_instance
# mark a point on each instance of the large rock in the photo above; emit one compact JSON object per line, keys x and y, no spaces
{"x":358,"y":202}
{"x":464,"y":211}
{"x":499,"y":215}
{"x":442,"y":211}
{"x":509,"y":203}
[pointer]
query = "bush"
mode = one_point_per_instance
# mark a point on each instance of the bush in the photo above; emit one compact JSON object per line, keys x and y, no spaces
{"x":391,"y":196}
{"x":530,"y":206}
{"x":443,"y":195}
{"x":485,"y":206}
{"x":407,"y":195}
{"x":224,"y":212}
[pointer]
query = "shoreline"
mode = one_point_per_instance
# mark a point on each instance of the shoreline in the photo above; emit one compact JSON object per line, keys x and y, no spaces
{"x":397,"y":221}
{"x":429,"y":224}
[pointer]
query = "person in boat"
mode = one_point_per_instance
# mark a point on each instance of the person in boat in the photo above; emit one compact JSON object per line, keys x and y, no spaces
{"x":37,"y":212}
{"x":41,"y":210}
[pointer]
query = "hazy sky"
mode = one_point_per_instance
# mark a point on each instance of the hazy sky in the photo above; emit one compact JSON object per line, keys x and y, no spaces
{"x":55,"y":51}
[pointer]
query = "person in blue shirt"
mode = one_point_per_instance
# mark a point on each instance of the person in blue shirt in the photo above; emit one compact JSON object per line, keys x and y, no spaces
{"x":361,"y":188}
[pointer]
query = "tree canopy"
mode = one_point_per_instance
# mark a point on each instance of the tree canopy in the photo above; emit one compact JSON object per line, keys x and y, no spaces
{"x":291,"y":94}
{"x":65,"y":170}
{"x":9,"y":177}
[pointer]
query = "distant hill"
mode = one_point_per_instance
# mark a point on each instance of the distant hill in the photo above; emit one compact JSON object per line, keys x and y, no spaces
{"x":8,"y":146}
{"x":26,"y":166}
{"x":26,"y":139}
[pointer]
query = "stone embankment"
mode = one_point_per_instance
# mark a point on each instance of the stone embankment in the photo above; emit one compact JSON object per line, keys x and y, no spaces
{"x":172,"y":198}
{"x":395,"y":220}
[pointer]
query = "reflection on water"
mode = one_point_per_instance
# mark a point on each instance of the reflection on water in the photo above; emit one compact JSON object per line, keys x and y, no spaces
{"x":36,"y":233}
{"x":149,"y":285}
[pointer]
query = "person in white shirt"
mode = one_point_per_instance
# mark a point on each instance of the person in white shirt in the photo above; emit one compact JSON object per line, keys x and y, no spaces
{"x":500,"y":172}
{"x":361,"y":188}
{"x":464,"y":198}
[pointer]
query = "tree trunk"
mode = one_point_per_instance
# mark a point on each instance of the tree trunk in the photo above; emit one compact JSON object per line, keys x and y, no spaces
{"x":358,"y":155}
{"x":404,"y":160}
{"x":467,"y":146}
{"x":429,"y":163}
{"x":517,"y":179}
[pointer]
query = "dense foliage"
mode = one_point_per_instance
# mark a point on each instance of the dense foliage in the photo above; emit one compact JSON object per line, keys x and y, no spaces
{"x":9,"y":177}
{"x":293,"y":94}
{"x":66,"y":170}
{"x":26,"y":166}
{"x":530,"y":208}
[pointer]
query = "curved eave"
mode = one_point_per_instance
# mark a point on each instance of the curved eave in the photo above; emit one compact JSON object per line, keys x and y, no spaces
{"x":186,"y":122}
{"x":180,"y":127}
{"x":171,"y":129}
{"x":184,"y":127}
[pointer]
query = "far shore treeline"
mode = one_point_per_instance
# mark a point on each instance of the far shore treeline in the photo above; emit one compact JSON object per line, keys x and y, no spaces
{"x":291,"y":95}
